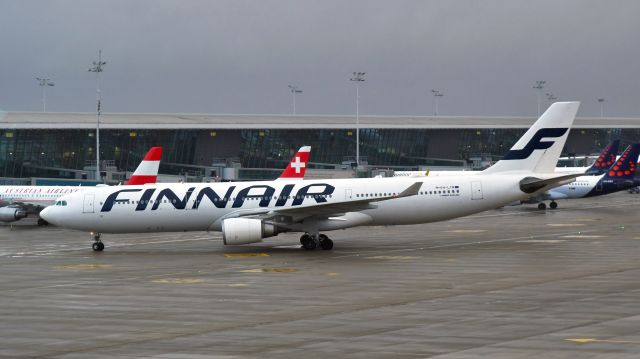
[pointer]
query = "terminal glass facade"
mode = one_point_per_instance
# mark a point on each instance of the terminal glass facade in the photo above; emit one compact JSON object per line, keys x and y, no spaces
{"x":52,"y":152}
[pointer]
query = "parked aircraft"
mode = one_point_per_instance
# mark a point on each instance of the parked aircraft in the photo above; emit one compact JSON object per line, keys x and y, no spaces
{"x":16,"y":202}
{"x":247,"y":212}
{"x":619,"y":176}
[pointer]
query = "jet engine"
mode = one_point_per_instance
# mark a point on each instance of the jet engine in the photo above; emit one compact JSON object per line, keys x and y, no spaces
{"x":246,"y":230}
{"x":10,"y":214}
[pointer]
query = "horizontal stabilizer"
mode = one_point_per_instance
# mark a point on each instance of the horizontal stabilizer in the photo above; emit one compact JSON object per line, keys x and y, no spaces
{"x":412,"y":190}
{"x":533,"y":184}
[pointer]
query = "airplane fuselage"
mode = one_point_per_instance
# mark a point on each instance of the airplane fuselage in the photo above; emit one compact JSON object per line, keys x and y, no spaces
{"x":188,"y":206}
{"x":38,"y":196}
{"x":590,"y":186}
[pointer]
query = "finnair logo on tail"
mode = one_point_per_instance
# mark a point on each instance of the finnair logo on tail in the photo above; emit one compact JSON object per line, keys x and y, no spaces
{"x":535,"y":143}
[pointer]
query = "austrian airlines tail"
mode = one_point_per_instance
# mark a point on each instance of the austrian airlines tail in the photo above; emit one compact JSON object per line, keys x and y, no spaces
{"x":298,"y":165}
{"x":147,"y":171}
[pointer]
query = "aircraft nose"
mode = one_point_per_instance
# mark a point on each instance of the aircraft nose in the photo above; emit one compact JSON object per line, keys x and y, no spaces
{"x":48,"y":215}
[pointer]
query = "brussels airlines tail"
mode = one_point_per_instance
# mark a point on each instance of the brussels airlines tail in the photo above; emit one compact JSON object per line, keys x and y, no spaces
{"x":298,"y":165}
{"x":147,"y":171}
{"x":605,"y":160}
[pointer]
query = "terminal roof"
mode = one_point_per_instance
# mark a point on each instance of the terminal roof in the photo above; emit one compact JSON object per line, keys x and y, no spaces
{"x":59,"y":120}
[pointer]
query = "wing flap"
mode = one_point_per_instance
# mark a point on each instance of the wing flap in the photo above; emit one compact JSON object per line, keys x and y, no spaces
{"x":322,"y":210}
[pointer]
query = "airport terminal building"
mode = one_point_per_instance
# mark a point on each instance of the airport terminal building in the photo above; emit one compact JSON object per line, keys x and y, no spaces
{"x":62,"y":145}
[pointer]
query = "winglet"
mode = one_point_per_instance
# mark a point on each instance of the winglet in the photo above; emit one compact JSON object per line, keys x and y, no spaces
{"x":298,"y":165}
{"x":147,"y":171}
{"x":412,"y":190}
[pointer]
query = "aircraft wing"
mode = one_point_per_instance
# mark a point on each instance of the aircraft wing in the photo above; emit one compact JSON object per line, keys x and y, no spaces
{"x":26,"y":206}
{"x":322,"y":210}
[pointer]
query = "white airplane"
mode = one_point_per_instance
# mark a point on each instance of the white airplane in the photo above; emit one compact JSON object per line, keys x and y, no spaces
{"x":620,"y":176}
{"x":247,"y":212}
{"x":16,"y":202}
{"x":606,"y":158}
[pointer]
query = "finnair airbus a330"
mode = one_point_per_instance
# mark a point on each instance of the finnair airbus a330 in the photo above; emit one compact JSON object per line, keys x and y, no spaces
{"x":247,"y":212}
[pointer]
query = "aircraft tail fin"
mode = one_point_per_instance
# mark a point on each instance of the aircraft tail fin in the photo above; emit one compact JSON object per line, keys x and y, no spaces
{"x":538,"y":150}
{"x":605,"y":160}
{"x":147,"y":171}
{"x":625,"y":167}
{"x":298,"y":165}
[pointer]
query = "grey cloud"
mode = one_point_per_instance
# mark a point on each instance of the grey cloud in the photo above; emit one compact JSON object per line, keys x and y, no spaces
{"x":238,"y":56}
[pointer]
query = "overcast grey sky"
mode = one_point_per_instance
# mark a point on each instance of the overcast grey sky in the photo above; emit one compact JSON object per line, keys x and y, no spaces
{"x":238,"y":56}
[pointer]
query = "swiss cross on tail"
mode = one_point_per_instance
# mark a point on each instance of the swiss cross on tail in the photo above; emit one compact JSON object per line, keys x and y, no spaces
{"x":298,"y":165}
{"x":147,"y":171}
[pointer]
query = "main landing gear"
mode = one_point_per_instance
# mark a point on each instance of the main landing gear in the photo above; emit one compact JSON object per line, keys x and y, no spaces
{"x":310,"y":242}
{"x":543,"y":206}
{"x":97,"y":245}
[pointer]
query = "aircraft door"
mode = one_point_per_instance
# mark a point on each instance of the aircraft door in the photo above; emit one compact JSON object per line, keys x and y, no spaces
{"x":87,"y":205}
{"x":348,"y":194}
{"x":599,"y":186}
{"x":476,"y":190}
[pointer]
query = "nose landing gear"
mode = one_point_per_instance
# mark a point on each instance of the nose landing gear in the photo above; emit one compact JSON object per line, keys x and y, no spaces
{"x":97,"y":245}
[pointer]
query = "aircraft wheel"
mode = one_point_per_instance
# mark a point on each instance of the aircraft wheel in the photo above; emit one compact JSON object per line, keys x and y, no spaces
{"x":307,"y":242}
{"x":42,"y":222}
{"x":325,"y":242}
{"x":553,"y":205}
{"x":97,"y":245}
{"x":542,"y":206}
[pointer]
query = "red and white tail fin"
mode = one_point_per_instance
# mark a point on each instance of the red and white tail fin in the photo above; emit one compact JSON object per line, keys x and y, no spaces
{"x":147,"y":171}
{"x":298,"y":165}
